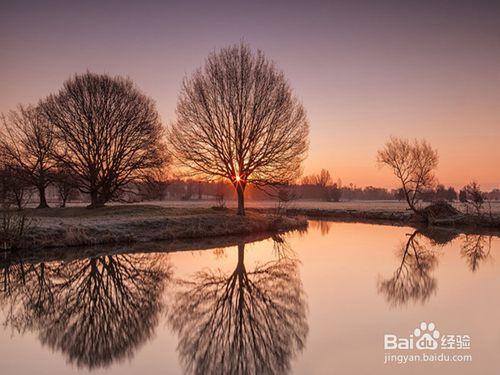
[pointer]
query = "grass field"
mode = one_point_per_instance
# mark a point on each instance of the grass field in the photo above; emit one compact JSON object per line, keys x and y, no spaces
{"x":191,"y":205}
{"x":77,"y":225}
{"x":389,"y":206}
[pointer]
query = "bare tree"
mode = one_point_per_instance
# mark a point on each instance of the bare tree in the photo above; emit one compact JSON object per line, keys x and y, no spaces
{"x":27,"y":140}
{"x":220,"y":201}
{"x":323,"y":185}
{"x":13,"y":228}
{"x":237,"y":119}
{"x":285,"y":195}
{"x":66,"y":183}
{"x":109,"y":130}
{"x":4,"y":186}
{"x":14,"y":186}
{"x":473,"y":196}
{"x":413,"y":163}
{"x":155,"y":183}
{"x":323,"y":180}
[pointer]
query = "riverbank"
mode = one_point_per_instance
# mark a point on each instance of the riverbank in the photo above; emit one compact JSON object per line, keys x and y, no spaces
{"x":61,"y":254}
{"x":374,"y":212}
{"x":402,"y":217}
{"x":78,"y":226}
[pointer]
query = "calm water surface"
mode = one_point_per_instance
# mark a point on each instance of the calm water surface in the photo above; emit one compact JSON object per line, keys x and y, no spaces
{"x":317,"y":302}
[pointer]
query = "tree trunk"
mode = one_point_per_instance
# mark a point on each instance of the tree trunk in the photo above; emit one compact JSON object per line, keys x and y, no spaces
{"x":95,"y":200}
{"x":240,"y":190}
{"x":43,"y":199}
{"x":410,"y":201}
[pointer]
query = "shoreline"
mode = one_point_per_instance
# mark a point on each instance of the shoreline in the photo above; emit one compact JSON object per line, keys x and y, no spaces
{"x":129,"y":224}
{"x":399,"y":218}
{"x":68,"y":254}
{"x":138,"y":225}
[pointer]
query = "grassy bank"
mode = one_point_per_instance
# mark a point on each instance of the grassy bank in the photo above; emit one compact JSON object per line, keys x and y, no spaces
{"x":78,"y":226}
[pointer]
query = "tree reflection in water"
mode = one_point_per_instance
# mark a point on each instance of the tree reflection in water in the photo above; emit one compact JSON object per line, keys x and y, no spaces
{"x":412,"y":281}
{"x":95,"y":311}
{"x":323,"y":226}
{"x":246,"y":322}
{"x":476,"y":248}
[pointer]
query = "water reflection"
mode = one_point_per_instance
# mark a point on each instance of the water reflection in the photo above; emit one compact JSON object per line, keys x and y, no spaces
{"x":476,"y":249}
{"x":95,"y":311}
{"x":244,"y":322}
{"x":323,"y":226}
{"x":99,"y":309}
{"x":413,"y":281}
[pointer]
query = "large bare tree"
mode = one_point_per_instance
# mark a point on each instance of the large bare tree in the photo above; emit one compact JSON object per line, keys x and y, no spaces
{"x":110,"y":133}
{"x":413,"y":163}
{"x":26,"y":143}
{"x":238,"y":119}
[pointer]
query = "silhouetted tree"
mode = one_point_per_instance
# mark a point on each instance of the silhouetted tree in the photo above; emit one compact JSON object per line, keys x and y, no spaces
{"x":110,"y":132}
{"x":323,"y":185}
{"x":474,"y":196}
{"x":413,"y":163}
{"x":462,"y":196}
{"x":242,"y":323}
{"x":155,"y":183}
{"x":66,"y":183}
{"x":451,"y":194}
{"x":400,"y":194}
{"x":15,"y":187}
{"x":443,"y":193}
{"x":237,"y":119}
{"x":335,"y":192}
{"x":285,"y":195}
{"x":220,"y":200}
{"x":323,"y":180}
{"x":26,"y":141}
{"x":4,"y":186}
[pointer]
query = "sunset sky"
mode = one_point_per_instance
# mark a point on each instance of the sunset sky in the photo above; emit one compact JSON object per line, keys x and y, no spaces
{"x":363,"y":70}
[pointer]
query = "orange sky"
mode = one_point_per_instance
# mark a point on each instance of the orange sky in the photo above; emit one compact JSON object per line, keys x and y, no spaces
{"x":364,"y":71}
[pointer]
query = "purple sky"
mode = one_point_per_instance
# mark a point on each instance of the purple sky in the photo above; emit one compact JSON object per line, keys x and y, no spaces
{"x":364,"y":70}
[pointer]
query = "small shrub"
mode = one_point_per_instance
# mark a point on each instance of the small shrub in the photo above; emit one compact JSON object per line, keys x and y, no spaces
{"x":220,"y":202}
{"x":13,"y":227}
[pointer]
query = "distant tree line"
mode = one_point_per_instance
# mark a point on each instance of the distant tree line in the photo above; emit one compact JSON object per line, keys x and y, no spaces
{"x":193,"y":189}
